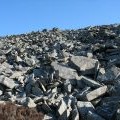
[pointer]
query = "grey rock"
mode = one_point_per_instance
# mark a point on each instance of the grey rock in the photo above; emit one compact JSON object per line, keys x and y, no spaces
{"x":84,"y":65}
{"x":16,"y":74}
{"x":62,"y":107}
{"x":60,"y":71}
{"x":30,"y":61}
{"x":65,"y":72}
{"x":2,"y":59}
{"x":7,"y":82}
{"x":18,"y":59}
{"x":88,"y":82}
{"x":96,"y":93}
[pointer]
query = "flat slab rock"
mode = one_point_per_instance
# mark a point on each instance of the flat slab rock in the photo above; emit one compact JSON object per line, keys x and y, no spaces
{"x":96,"y":93}
{"x":65,"y":72}
{"x":84,"y":64}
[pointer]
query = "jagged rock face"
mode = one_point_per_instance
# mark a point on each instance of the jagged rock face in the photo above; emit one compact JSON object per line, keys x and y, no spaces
{"x":66,"y":75}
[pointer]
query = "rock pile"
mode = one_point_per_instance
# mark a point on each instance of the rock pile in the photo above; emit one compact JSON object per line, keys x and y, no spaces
{"x":67,"y":75}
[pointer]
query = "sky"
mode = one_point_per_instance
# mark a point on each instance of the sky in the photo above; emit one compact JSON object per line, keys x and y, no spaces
{"x":23,"y":16}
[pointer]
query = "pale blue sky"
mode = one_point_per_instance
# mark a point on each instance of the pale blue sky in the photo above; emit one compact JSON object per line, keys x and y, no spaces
{"x":21,"y":16}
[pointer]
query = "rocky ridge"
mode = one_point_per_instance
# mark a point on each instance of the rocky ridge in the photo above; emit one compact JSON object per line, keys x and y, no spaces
{"x":67,"y":75}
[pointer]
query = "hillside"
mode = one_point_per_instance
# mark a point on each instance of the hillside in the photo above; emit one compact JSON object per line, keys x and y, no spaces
{"x":65,"y":74}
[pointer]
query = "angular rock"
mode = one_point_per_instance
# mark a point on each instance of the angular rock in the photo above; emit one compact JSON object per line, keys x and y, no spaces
{"x":96,"y":93}
{"x":87,"y":81}
{"x":62,"y":107}
{"x":7,"y":82}
{"x":64,"y":71}
{"x":84,"y":65}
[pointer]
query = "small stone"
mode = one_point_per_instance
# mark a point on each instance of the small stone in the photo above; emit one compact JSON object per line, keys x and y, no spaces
{"x":18,"y":59}
{"x":2,"y":59}
{"x":89,"y":55}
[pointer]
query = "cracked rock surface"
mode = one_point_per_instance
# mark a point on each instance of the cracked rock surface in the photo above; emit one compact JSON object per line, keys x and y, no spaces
{"x":65,"y":74}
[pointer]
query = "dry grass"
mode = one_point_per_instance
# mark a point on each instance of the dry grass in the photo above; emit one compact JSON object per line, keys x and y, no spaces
{"x":10,"y":111}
